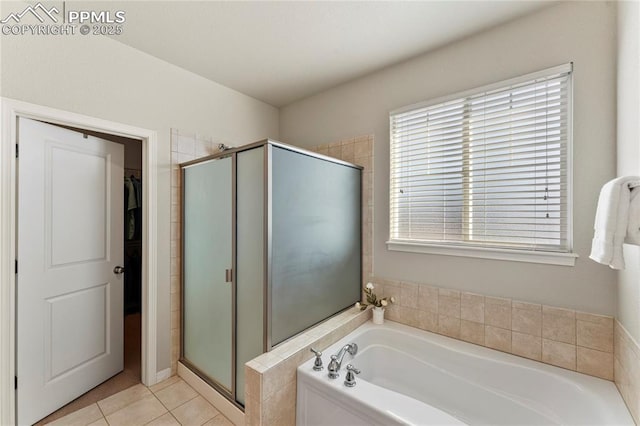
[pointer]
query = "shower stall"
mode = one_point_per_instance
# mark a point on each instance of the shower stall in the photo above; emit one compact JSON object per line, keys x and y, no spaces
{"x":271,"y":245}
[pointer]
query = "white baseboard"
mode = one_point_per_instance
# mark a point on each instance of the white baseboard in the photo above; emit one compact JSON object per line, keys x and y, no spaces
{"x":163,"y":375}
{"x":221,"y":403}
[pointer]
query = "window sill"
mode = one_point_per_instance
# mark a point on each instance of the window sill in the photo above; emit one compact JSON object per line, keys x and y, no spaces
{"x":549,"y":258}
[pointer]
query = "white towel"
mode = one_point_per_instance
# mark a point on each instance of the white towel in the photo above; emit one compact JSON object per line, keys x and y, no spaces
{"x":611,"y":222}
{"x":633,"y":225}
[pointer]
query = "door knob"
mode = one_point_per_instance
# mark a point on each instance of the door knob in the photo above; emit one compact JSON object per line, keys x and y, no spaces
{"x":118,"y":270}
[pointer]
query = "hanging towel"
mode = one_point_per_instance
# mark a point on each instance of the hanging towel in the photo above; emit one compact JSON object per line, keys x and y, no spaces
{"x":633,"y":226}
{"x":132,"y":204}
{"x":611,"y":222}
{"x":137,"y":184}
{"x":137,"y":232}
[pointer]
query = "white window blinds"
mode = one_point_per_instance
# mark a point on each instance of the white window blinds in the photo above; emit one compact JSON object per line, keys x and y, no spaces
{"x":487,"y":169}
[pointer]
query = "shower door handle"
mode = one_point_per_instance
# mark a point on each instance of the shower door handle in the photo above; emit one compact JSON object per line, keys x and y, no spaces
{"x":228,"y":275}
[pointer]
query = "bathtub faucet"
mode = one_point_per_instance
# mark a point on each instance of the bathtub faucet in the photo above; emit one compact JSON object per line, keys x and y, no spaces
{"x":336,"y":360}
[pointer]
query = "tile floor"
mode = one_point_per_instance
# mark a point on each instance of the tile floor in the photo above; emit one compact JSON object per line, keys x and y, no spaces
{"x":171,"y":402}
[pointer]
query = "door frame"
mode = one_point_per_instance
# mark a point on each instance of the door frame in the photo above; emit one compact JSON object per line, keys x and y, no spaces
{"x":10,"y":111}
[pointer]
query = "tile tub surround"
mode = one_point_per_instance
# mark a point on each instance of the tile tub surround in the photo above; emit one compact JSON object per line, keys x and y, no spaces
{"x":627,"y":369}
{"x":270,"y":391}
{"x":565,"y":338}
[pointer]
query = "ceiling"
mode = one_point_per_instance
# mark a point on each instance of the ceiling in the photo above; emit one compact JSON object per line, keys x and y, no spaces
{"x":280,"y":52}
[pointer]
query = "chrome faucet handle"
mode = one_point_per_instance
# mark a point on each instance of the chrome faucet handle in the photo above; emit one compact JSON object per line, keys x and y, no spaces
{"x":350,"y":380}
{"x":334,"y":367}
{"x":317,"y":364}
{"x":350,"y":367}
{"x":353,"y":349}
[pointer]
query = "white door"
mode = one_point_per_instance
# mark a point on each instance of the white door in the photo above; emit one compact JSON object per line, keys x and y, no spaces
{"x":70,"y":239}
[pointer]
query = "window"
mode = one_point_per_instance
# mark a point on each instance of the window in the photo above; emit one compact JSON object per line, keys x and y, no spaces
{"x":488,"y":170}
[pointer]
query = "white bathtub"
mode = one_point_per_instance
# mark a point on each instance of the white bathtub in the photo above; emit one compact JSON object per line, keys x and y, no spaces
{"x":413,"y":377}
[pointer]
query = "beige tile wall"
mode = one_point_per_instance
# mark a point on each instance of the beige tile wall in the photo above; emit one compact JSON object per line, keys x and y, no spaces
{"x":565,"y":338}
{"x":627,"y":369}
{"x":185,"y":147}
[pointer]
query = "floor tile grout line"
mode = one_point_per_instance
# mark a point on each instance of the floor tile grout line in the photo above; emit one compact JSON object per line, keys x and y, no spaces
{"x":174,"y":417}
{"x":187,"y":401}
{"x":102,"y":412}
{"x":170,"y":384}
{"x":167,"y":410}
{"x":161,"y":403}
{"x":124,"y":406}
{"x":211,"y":418}
{"x":216,"y":415}
{"x":171,"y":411}
{"x":195,"y":397}
{"x":157,"y":417}
{"x":137,"y":400}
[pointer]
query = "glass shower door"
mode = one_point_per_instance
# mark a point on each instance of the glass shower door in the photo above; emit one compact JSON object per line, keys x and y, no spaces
{"x":207,"y":263}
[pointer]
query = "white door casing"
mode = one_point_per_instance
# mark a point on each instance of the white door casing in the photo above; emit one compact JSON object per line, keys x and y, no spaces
{"x":70,"y":238}
{"x":10,"y":111}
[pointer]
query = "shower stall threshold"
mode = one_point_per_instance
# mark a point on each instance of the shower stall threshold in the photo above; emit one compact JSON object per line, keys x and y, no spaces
{"x":208,"y":392}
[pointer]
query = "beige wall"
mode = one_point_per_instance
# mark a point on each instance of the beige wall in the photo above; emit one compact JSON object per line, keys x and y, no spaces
{"x":629,"y":151}
{"x":582,"y":32}
{"x":103,"y":78}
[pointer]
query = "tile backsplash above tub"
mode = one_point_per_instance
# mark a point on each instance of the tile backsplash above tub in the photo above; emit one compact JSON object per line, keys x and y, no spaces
{"x":627,"y":369}
{"x":565,"y":338}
